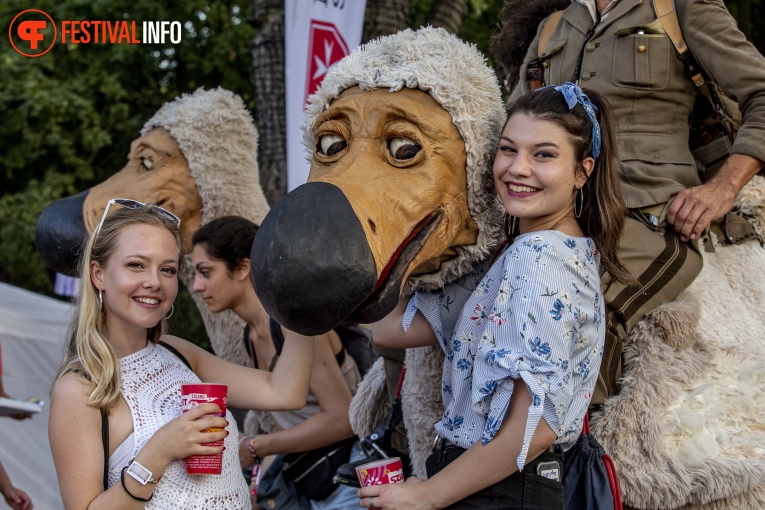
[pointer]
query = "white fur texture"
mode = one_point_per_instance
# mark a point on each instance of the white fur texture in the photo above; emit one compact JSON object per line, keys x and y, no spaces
{"x":370,"y":405}
{"x":217,"y":136}
{"x":687,"y":429}
{"x":421,"y":402}
{"x":455,"y":74}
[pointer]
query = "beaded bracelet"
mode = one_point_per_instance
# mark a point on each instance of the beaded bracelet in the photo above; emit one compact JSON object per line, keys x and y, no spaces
{"x":122,"y":480}
{"x":251,"y":448}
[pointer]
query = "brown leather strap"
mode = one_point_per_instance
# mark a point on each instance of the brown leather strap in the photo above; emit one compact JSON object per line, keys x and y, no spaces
{"x":547,"y":31}
{"x":667,"y":16}
{"x":665,"y":12}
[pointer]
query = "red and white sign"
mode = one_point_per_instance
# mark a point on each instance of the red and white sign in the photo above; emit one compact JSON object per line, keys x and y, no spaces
{"x":318,"y":33}
{"x":326,"y":46}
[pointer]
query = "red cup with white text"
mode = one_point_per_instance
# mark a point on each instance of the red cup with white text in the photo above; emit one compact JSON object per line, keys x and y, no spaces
{"x":193,"y":395}
{"x":380,"y":472}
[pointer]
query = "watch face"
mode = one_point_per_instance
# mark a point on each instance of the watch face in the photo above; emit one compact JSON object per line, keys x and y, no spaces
{"x":139,"y":472}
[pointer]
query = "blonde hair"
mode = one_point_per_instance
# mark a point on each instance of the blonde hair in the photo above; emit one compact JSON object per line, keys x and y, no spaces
{"x":89,"y":352}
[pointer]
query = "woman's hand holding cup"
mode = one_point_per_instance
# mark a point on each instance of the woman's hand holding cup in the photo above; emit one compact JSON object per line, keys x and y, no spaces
{"x":187,"y":434}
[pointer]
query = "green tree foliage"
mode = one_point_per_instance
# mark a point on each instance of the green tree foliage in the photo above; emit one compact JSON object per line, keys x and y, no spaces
{"x":76,"y":109}
{"x":481,"y":23}
{"x":70,"y":115}
{"x":20,"y":264}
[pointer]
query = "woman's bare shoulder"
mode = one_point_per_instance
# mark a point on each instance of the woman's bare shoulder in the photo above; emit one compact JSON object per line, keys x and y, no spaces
{"x":69,"y":403}
{"x":71,"y":388}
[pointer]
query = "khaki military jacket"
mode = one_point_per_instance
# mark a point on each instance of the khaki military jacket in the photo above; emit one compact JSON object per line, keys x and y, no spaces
{"x":630,"y":60}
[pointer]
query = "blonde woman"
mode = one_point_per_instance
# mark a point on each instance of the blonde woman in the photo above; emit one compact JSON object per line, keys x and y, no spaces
{"x":116,"y":429}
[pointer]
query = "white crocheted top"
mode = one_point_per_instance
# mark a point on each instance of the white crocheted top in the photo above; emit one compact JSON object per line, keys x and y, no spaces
{"x":151,"y":385}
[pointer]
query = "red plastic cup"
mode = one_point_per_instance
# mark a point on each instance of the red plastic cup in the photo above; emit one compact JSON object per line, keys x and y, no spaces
{"x":203,"y":393}
{"x":380,"y":472}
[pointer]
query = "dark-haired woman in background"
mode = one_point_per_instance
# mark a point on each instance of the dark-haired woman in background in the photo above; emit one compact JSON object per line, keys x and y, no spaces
{"x":221,"y":260}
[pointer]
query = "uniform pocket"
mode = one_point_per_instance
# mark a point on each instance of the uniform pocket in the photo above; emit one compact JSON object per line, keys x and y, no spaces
{"x":641,"y":60}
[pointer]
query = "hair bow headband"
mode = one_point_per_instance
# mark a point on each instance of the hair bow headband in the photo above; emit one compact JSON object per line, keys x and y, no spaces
{"x":573,"y":95}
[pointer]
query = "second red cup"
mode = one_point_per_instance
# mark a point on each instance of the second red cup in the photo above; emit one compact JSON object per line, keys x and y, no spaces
{"x":380,"y":472}
{"x":193,"y":395}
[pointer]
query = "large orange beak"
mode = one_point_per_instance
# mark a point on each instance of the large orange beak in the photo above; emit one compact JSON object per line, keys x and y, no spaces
{"x":340,"y":248}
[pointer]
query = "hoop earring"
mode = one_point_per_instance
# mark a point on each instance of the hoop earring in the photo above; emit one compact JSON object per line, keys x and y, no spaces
{"x":579,"y":193}
{"x":172,"y":310}
{"x":101,"y":298}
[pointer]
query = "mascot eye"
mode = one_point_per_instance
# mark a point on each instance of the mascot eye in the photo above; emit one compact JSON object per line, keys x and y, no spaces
{"x":403,"y":148}
{"x":147,"y":163}
{"x":329,"y":145}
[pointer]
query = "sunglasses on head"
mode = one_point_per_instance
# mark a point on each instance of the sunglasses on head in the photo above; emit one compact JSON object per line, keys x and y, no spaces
{"x":128,"y":203}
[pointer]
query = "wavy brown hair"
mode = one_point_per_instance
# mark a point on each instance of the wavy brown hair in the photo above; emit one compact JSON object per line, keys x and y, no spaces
{"x":603,"y":209}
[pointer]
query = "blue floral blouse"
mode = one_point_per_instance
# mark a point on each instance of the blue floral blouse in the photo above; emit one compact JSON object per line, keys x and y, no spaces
{"x":536,"y":315}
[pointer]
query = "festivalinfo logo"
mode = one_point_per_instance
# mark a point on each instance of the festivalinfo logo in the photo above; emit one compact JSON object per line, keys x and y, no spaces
{"x":34,"y":32}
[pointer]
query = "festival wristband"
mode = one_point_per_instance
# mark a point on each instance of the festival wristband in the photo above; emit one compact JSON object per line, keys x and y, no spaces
{"x":124,"y":487}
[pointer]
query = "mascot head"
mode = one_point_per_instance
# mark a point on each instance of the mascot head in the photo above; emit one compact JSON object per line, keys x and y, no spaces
{"x":193,"y":152}
{"x":402,"y":134}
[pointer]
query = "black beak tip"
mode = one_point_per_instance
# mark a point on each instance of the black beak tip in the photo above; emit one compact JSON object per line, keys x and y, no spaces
{"x":60,"y":233}
{"x":310,"y":263}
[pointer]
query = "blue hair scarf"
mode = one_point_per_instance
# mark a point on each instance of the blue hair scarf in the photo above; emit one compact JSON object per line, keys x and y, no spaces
{"x":573,"y":95}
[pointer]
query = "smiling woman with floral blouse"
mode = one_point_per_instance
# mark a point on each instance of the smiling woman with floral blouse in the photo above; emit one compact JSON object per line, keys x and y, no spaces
{"x":523,"y":340}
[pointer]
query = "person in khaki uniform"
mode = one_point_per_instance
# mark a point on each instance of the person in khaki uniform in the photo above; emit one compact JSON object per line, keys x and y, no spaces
{"x":619,"y":49}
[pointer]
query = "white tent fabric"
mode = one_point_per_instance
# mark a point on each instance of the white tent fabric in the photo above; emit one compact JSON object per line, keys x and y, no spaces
{"x":32,"y":331}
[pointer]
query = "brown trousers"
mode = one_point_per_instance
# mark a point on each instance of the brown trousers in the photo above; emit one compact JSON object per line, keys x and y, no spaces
{"x":664,"y":266}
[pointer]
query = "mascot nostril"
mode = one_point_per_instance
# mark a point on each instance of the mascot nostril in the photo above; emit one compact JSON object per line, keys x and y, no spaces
{"x":312,"y":226}
{"x":60,"y":232}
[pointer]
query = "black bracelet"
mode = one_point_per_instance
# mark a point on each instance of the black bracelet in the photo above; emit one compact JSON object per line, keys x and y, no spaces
{"x":122,"y":479}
